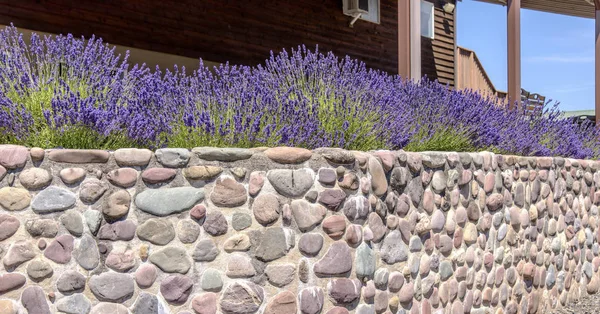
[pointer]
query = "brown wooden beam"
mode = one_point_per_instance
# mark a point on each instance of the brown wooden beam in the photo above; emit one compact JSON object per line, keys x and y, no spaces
{"x":404,"y":38}
{"x":514,"y":52}
{"x":597,"y":63}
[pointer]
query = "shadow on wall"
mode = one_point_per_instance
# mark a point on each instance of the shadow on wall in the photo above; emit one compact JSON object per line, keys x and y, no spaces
{"x":151,"y":58}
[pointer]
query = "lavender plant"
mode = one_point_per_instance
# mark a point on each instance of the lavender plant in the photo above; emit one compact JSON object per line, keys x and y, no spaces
{"x":68,"y":92}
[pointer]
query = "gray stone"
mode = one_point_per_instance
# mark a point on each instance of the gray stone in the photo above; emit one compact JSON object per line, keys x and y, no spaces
{"x":272,"y":244}
{"x":117,"y":231}
{"x":237,"y":242}
{"x":92,"y":190}
{"x":280,"y":275}
{"x":438,"y":182}
{"x":337,"y":261}
{"x":327,"y":176}
{"x":291,"y":183}
{"x":215,"y":223}
{"x":366,"y":309}
{"x":164,"y":202}
{"x":171,"y":260}
{"x":241,"y":297}
{"x":74,"y":304}
{"x":222,"y":154}
{"x":33,"y":299}
{"x":73,"y":222}
{"x":173,"y":157}
{"x":132,"y":157}
{"x":188,"y":231}
{"x":310,"y":244}
{"x":87,"y":254}
{"x":446,"y":270}
{"x":241,"y":221}
{"x":45,"y":228}
{"x":357,"y":209}
{"x":365,"y":261}
{"x":176,"y":288}
{"x":147,"y":303}
{"x":53,"y":199}
{"x":93,"y":219}
{"x":307,"y":215}
{"x":433,"y":160}
{"x":112,"y":308}
{"x":336,"y":155}
{"x":70,"y":281}
{"x":399,"y":178}
{"x":39,"y":269}
{"x":393,"y":249}
{"x":112,"y":287}
{"x":415,"y":191}
{"x":156,"y":231}
{"x":211,"y":280}
{"x":415,"y":244}
{"x":205,"y":251}
{"x":239,"y":265}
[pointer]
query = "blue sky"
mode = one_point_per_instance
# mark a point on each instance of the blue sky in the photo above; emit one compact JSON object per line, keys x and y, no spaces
{"x":557,"y":52}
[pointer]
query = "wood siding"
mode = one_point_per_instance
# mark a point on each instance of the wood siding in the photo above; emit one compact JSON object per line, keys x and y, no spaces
{"x":438,"y":55}
{"x":241,"y":32}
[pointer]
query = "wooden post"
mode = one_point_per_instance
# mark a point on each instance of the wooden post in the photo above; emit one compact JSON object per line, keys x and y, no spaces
{"x":415,"y":40}
{"x":409,"y":39}
{"x":514,"y":52}
{"x":597,"y":61}
{"x":404,"y":38}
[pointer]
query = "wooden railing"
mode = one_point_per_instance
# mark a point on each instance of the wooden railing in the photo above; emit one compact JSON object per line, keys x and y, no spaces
{"x":470,"y":74}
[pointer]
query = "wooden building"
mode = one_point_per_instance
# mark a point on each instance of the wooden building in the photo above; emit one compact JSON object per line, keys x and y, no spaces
{"x":245,"y":32}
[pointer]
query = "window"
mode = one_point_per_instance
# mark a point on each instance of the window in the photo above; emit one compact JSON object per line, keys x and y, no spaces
{"x":427,"y":19}
{"x":373,"y":15}
{"x":368,"y":9}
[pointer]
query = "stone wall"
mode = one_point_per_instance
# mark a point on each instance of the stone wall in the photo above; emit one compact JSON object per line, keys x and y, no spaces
{"x":287,"y":230}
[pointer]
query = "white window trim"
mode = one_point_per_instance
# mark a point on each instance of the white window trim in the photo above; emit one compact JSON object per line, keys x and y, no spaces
{"x":372,"y":17}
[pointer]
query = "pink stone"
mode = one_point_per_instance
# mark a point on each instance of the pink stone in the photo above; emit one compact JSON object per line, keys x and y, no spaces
{"x":79,"y":156}
{"x":145,"y":275}
{"x":37,"y":154}
{"x":158,"y":175}
{"x":257,"y":180}
{"x":406,"y":293}
{"x":334,"y":226}
{"x":11,"y":281}
{"x":284,"y":302}
{"x":13,"y":156}
{"x":198,"y":212}
{"x":60,"y":249}
{"x":387,"y":159}
{"x":72,"y":175}
{"x":288,"y":155}
{"x":428,"y":205}
{"x":354,"y":235}
{"x":123,"y":177}
{"x":488,"y":185}
{"x":205,"y":303}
